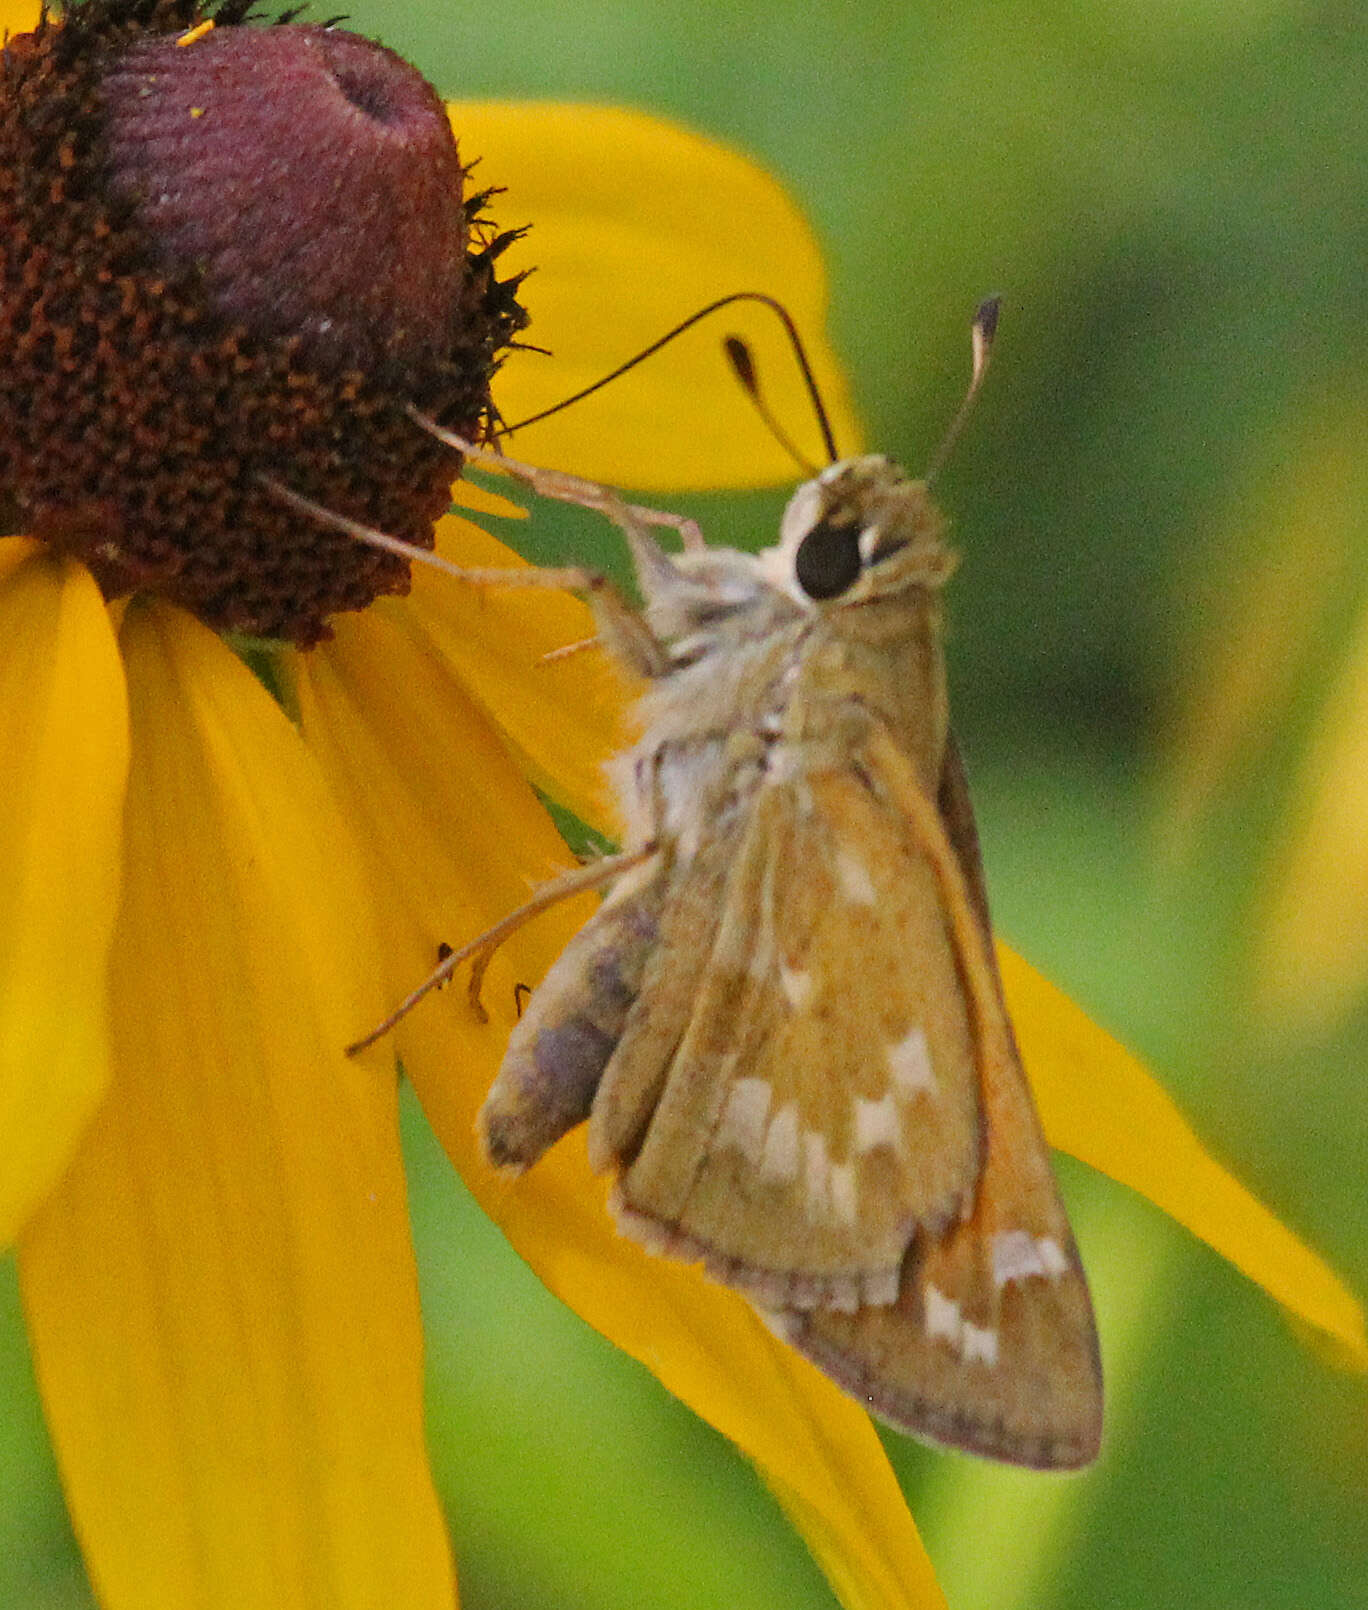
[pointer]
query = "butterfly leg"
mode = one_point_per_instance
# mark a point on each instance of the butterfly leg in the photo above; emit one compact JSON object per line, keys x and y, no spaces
{"x":620,"y":626}
{"x":483,"y":946}
{"x":574,"y":882}
{"x":566,"y":488}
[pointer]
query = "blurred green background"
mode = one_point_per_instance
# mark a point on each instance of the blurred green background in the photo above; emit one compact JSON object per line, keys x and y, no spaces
{"x":1169,"y":195}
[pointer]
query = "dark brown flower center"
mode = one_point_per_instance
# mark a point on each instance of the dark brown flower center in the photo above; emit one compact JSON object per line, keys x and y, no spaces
{"x":234,"y":259}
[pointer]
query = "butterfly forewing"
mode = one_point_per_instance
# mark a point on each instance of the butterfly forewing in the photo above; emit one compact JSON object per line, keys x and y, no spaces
{"x":991,"y":1345}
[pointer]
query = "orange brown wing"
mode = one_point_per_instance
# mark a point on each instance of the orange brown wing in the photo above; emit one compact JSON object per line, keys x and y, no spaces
{"x":991,"y":1345}
{"x":821,"y":1105}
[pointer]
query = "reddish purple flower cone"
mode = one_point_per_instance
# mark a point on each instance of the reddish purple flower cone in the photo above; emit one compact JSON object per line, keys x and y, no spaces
{"x":310,"y":174}
{"x":234,"y":259}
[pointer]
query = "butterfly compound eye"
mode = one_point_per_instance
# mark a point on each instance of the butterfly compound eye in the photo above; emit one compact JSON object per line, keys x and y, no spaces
{"x":828,"y":559}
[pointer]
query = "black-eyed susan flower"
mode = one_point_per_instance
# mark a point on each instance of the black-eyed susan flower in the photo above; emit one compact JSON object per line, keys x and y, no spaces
{"x":242,"y":252}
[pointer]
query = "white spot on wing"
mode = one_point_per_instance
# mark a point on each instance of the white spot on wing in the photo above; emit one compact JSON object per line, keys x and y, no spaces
{"x":1017,"y":1255}
{"x":1052,"y":1256}
{"x":743,"y":1118}
{"x":844,"y":1196}
{"x":877,"y":1123}
{"x":779,"y":1160}
{"x":797,"y":986}
{"x":942,"y":1316}
{"x":782,"y":765}
{"x":881,"y":1290}
{"x":829,"y":1189}
{"x":978,"y":1345}
{"x":816,"y":1175}
{"x":909,"y":1061}
{"x":853,"y":879}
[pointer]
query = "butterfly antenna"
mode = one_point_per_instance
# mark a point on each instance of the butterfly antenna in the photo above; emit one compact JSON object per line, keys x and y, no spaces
{"x":742,"y":360}
{"x":790,"y":329}
{"x":983,"y":330}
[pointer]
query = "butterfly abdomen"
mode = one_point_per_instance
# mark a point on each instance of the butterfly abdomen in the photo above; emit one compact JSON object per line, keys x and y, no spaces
{"x":560,"y":1047}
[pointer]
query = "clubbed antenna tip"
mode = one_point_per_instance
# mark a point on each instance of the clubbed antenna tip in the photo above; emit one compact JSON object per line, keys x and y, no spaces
{"x":982,"y":331}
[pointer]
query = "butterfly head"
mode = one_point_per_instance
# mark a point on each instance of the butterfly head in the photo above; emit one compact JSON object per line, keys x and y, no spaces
{"x":859,"y":531}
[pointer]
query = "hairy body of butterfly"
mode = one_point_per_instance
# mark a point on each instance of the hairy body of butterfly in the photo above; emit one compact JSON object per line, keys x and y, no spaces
{"x":784,"y":1026}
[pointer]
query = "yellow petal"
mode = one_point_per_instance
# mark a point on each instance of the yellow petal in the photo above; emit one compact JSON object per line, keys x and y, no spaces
{"x":1098,"y":1103}
{"x":561,"y":719}
{"x":18,"y":16}
{"x":479,"y":500}
{"x":816,"y":1449}
{"x":221,"y":1294}
{"x":451,"y":831}
{"x":63,"y":762}
{"x":1311,"y":950}
{"x":455,"y":838}
{"x":866,"y":1571}
{"x":638,"y":223}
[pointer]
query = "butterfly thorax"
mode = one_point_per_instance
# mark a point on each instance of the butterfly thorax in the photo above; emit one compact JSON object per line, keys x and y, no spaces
{"x":712,"y":718}
{"x":780,"y":660}
{"x":875,"y":666}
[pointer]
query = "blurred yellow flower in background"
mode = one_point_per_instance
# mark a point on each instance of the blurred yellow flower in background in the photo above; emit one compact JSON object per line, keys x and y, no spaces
{"x":1282,"y":709}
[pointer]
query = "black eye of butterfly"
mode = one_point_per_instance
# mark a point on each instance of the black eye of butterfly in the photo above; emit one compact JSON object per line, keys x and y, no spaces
{"x":828,"y":559}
